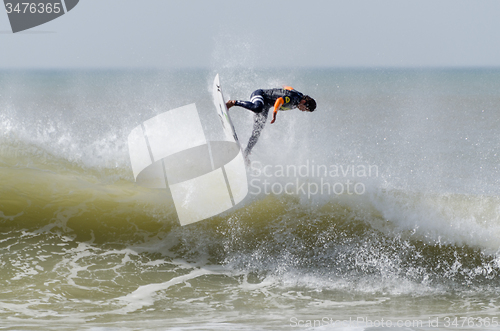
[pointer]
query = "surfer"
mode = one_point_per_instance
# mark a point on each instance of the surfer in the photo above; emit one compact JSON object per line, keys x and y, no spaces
{"x":262,"y":100}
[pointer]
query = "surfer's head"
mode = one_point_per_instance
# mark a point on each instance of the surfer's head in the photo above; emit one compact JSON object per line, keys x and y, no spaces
{"x":307,"y":104}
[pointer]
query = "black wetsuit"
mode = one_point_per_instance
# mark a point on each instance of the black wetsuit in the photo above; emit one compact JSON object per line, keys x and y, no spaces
{"x":260,"y":103}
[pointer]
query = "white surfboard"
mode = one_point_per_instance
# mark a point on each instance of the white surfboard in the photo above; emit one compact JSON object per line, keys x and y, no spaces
{"x":224,"y":117}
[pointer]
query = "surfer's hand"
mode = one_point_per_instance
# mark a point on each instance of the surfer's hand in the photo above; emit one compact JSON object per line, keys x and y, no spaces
{"x":230,"y":103}
{"x":274,"y":118}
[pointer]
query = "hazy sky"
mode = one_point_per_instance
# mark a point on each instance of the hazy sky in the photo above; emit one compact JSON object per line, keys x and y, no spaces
{"x":262,"y":33}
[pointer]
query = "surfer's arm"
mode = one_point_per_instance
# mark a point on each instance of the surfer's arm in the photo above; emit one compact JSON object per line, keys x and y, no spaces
{"x":277,"y":105}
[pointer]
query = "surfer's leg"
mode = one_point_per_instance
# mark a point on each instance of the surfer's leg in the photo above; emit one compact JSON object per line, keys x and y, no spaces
{"x":258,"y":125}
{"x":256,"y":103}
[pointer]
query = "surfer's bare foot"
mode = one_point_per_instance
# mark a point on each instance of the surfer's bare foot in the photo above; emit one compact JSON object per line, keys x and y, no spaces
{"x":230,"y":103}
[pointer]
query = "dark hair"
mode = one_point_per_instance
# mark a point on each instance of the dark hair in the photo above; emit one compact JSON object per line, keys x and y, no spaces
{"x":310,"y":103}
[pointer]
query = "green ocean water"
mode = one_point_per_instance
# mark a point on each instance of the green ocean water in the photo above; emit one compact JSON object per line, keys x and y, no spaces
{"x":82,"y":246}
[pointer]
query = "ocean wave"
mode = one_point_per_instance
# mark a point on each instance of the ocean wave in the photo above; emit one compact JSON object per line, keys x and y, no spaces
{"x":427,"y":240}
{"x":419,"y":226}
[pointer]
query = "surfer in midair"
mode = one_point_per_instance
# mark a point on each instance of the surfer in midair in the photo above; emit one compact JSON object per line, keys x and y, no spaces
{"x":262,"y":100}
